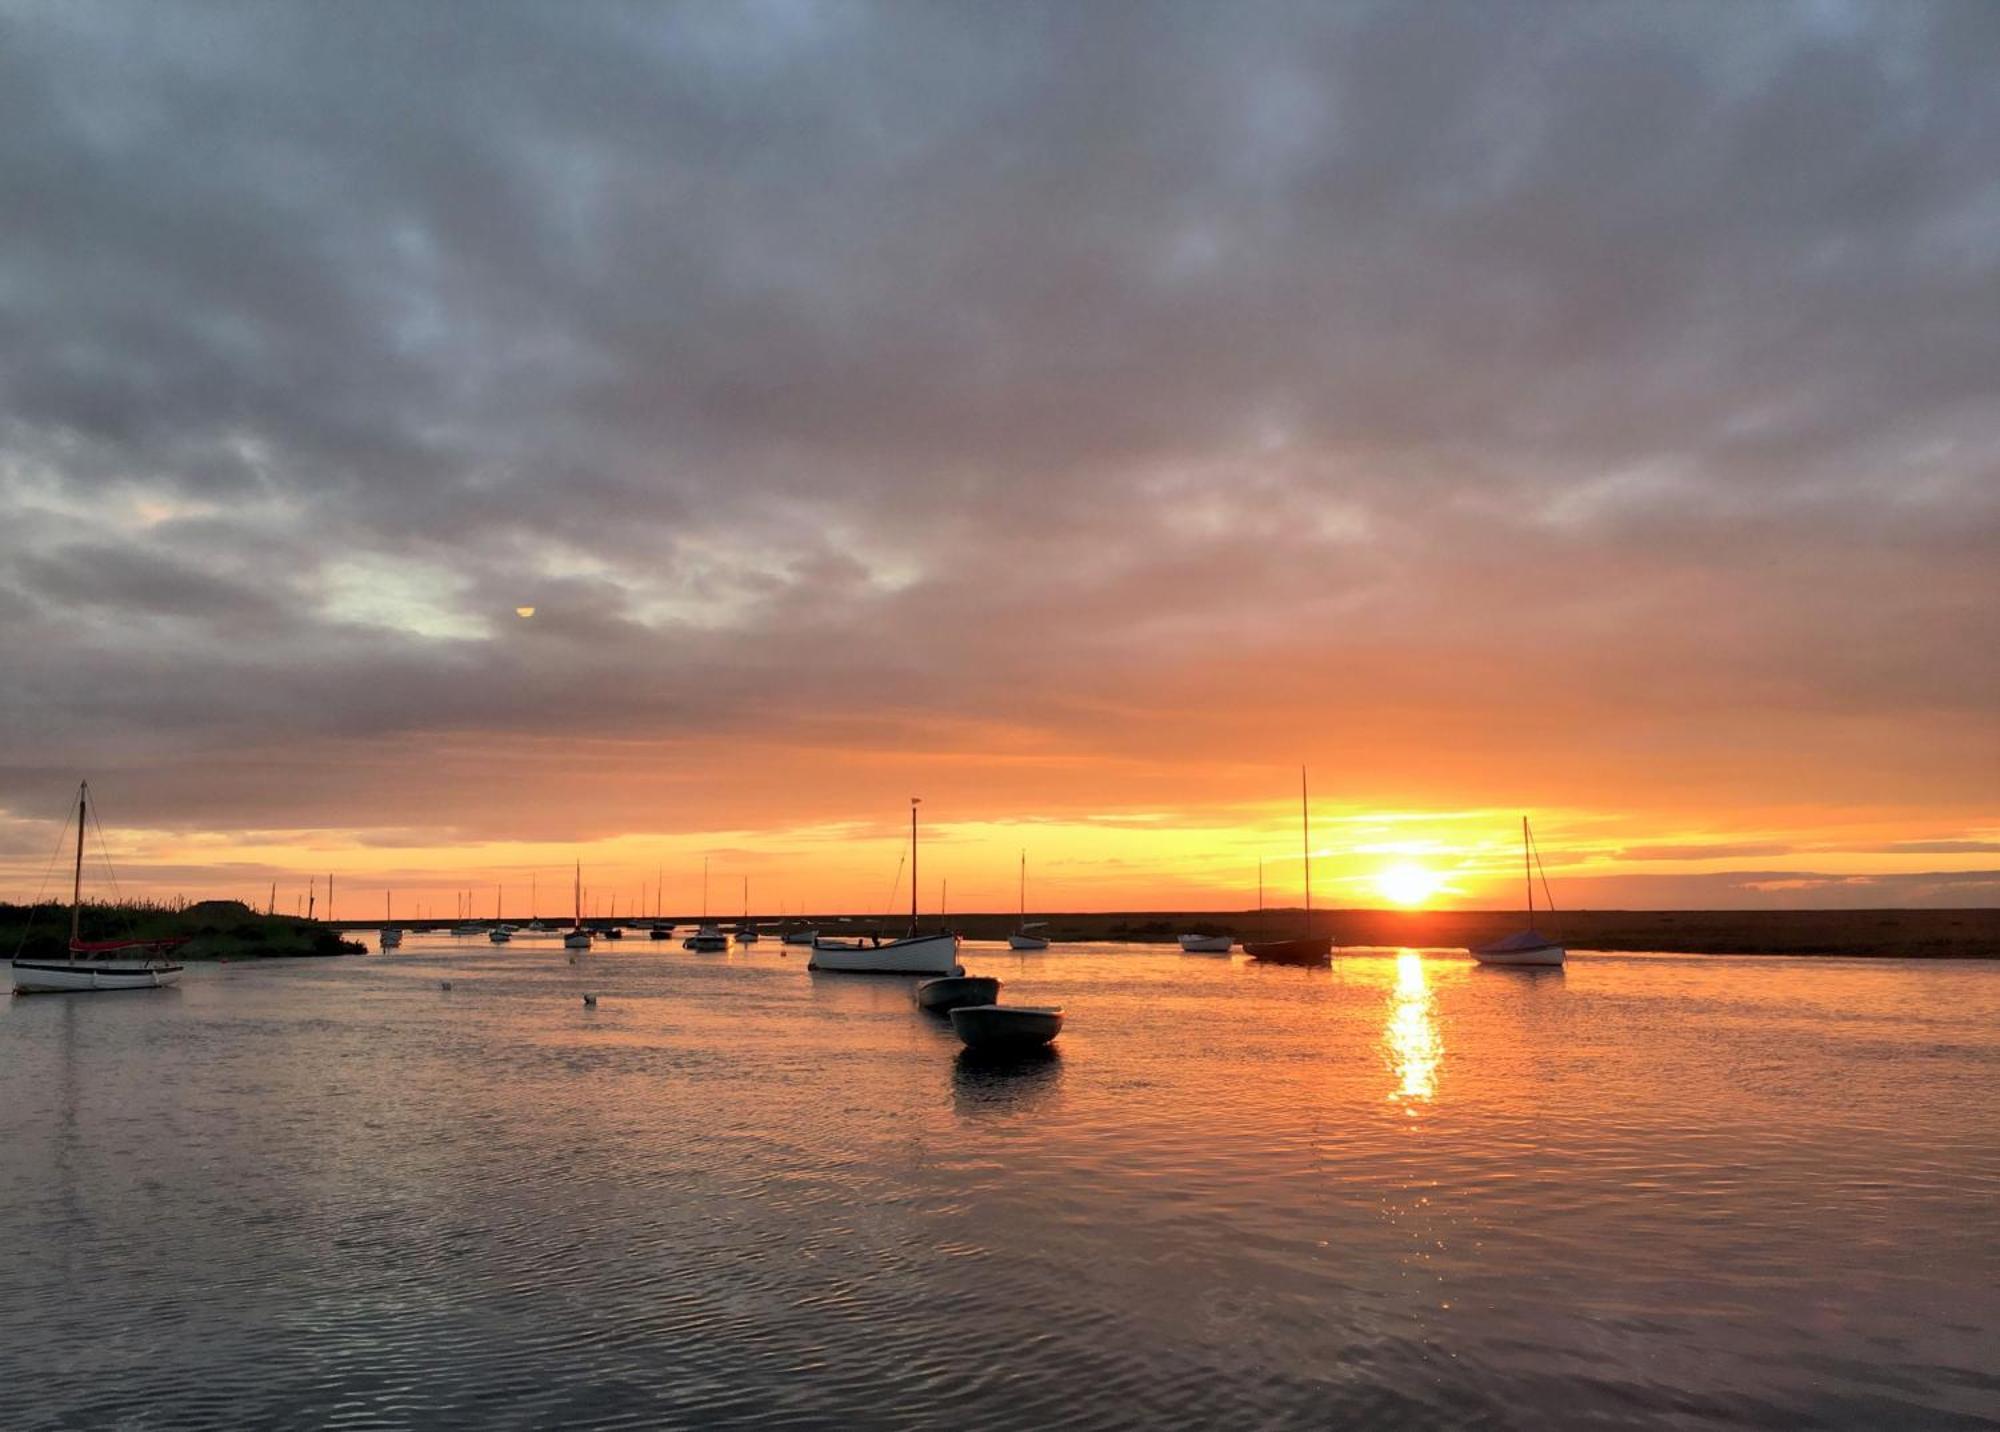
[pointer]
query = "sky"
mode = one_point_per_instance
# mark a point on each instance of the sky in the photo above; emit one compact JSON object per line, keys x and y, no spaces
{"x":1077,"y":416}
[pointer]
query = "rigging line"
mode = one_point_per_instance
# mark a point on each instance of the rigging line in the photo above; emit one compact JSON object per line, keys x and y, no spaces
{"x":1555,"y":919}
{"x":896,"y":884}
{"x":110,"y":873}
{"x":62,"y":839}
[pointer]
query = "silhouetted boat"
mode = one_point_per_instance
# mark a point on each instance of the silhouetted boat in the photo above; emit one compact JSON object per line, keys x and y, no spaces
{"x":1530,"y":948}
{"x":578,"y":938}
{"x":800,"y":937}
{"x":391,"y":936}
{"x":950,"y":991}
{"x":1006,"y":1026}
{"x":660,"y":932}
{"x":707,"y":939}
{"x":1024,"y":938}
{"x":1306,"y":949}
{"x":96,"y":964}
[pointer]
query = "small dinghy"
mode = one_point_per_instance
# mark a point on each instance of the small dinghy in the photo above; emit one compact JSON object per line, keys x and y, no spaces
{"x":1006,"y":1026}
{"x":800,"y":937}
{"x":949,"y":992}
{"x":1207,"y":944}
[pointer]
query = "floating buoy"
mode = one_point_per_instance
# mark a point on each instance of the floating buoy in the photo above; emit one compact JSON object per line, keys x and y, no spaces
{"x":591,"y":1000}
{"x":444,"y":984}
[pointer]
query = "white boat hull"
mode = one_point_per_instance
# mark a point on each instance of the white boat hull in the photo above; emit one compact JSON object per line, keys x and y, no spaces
{"x":1027,"y":942}
{"x":919,"y":955}
{"x":801,"y":937}
{"x":1550,"y":956}
{"x":76,"y":976}
{"x":1207,"y":944}
{"x":576,"y":940}
{"x":390,"y":939}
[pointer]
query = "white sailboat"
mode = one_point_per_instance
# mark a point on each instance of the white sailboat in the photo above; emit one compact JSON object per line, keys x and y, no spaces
{"x":1530,"y":948}
{"x":391,"y":935}
{"x":1025,"y":937}
{"x":578,"y":938}
{"x":706,"y":939}
{"x":1207,"y":944}
{"x":99,"y":964}
{"x":914,"y":954}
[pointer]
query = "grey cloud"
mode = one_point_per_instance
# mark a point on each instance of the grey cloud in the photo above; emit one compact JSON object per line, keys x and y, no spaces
{"x":969,"y":356}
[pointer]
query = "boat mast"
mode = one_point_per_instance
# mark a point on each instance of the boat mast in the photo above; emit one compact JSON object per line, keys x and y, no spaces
{"x":1527,"y":873}
{"x":1305,"y":845}
{"x":1024,"y":889}
{"x":704,"y":890}
{"x":76,"y":885}
{"x":915,"y":801}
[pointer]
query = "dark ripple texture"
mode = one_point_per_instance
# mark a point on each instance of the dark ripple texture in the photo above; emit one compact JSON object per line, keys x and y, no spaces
{"x":1648,"y":1191}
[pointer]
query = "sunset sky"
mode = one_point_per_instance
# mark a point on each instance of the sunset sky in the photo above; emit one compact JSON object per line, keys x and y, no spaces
{"x":1075,"y":415}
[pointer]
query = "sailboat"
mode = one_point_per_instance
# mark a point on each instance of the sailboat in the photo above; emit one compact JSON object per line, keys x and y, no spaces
{"x":501,"y":933}
{"x":1306,"y":949}
{"x":746,"y":933}
{"x":390,"y":936}
{"x":1025,"y":938}
{"x":1530,"y":947}
{"x":578,"y":938}
{"x":707,"y":938}
{"x":98,"y":964}
{"x":1196,"y":943}
{"x":535,"y":925}
{"x":914,"y":954}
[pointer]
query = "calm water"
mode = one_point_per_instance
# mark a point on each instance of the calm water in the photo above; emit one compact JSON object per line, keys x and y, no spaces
{"x":1646,"y":1192}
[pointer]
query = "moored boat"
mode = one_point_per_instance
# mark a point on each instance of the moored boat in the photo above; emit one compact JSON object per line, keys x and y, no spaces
{"x":800,"y":937}
{"x":1027,"y":936}
{"x":1207,"y":944}
{"x":390,"y":935}
{"x":915,"y":954}
{"x":949,"y":991}
{"x":1006,"y":1026}
{"x":96,"y":964}
{"x":578,"y":938}
{"x":1530,"y":948}
{"x":707,"y":939}
{"x":1307,"y":948}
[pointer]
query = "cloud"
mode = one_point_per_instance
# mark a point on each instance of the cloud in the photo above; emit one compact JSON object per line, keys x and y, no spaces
{"x":1586,"y":406}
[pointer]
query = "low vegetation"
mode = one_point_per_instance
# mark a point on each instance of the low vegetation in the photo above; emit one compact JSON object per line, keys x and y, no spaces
{"x":214,"y":929}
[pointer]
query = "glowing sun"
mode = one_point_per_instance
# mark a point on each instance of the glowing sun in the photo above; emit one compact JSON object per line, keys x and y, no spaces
{"x":524,"y":612}
{"x":1407,"y":884}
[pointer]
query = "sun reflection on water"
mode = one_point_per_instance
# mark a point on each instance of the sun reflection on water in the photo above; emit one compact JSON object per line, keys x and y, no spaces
{"x":1411,"y":1038}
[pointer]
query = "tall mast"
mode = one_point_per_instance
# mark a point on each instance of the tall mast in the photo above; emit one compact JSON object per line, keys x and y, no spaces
{"x":1024,"y":889}
{"x":1305,"y":845}
{"x":534,"y":900}
{"x":1527,"y":873}
{"x":76,"y":885}
{"x":1260,"y":885}
{"x":746,"y":899}
{"x":579,"y":895}
{"x":704,"y":890}
{"x":329,"y":895}
{"x":915,"y":801}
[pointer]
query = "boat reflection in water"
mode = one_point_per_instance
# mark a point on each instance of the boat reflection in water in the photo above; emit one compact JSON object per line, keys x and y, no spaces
{"x":1410,"y":1042}
{"x":987,"y":1083}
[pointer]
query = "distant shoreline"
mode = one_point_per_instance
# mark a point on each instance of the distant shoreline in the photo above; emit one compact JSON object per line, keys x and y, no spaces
{"x":1969,"y":934}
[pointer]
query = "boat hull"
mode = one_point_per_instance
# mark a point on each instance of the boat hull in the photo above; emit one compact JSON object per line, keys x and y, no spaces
{"x":576,"y":940}
{"x":390,"y":939}
{"x":801,"y":937}
{"x":1207,"y":944}
{"x":1549,"y":956}
{"x":82,"y":976}
{"x":918,"y":955}
{"x":1006,"y":1026}
{"x":1027,"y":942}
{"x":1309,"y":950}
{"x":948,"y":992}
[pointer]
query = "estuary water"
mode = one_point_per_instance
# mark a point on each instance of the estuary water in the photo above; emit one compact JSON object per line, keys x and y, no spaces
{"x":1644,"y":1192}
